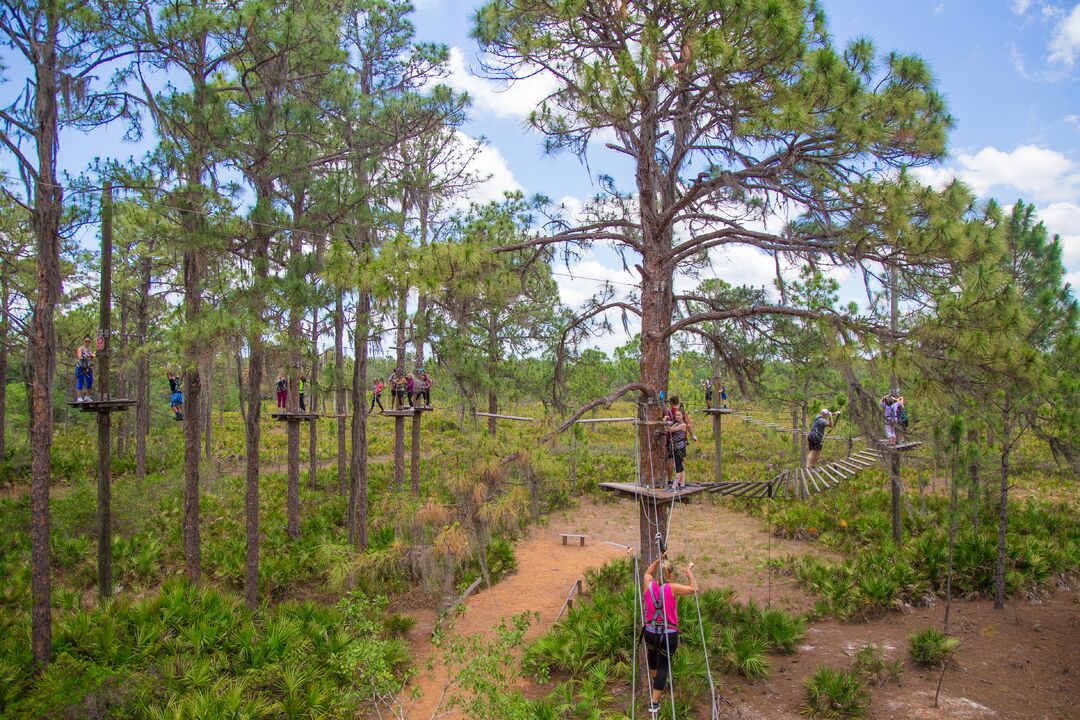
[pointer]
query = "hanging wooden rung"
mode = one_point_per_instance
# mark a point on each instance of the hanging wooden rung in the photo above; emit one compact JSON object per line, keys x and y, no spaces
{"x":502,"y":417}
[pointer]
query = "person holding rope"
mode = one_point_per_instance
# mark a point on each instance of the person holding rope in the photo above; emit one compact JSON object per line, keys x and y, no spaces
{"x":176,"y":395}
{"x":661,"y":629}
{"x":824,"y":422}
{"x":707,"y":385}
{"x":376,"y":396}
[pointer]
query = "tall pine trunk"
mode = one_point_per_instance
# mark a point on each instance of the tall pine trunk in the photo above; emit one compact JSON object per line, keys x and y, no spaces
{"x":295,"y":374}
{"x":312,"y":400}
{"x":4,"y":299}
{"x":252,"y":416}
{"x":142,"y":368}
{"x":1003,"y":512}
{"x":358,"y":477}
{"x":399,"y":421}
{"x":46,"y":218}
{"x":339,"y":386}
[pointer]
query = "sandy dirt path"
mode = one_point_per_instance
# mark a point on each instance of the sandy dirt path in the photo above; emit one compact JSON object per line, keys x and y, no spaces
{"x":728,"y":547}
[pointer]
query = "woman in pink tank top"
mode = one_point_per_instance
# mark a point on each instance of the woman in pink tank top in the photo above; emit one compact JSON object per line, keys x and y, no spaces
{"x":661,"y":631}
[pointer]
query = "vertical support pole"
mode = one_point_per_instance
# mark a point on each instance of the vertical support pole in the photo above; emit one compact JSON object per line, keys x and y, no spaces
{"x":897,"y":520}
{"x":718,"y":430}
{"x":414,"y":453}
{"x":103,"y":418}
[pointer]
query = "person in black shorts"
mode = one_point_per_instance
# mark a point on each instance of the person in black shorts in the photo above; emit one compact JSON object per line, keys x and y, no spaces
{"x":677,"y":430}
{"x":824,"y":422}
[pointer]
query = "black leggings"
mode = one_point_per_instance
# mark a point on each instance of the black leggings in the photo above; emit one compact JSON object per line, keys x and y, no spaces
{"x":678,"y":456}
{"x":659,"y":649}
{"x":426,"y":394}
{"x":376,"y":399}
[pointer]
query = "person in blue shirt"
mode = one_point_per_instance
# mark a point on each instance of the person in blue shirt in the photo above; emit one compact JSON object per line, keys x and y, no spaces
{"x":176,"y":395}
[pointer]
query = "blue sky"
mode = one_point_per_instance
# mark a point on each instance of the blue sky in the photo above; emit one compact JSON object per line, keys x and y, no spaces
{"x":1009,"y":70}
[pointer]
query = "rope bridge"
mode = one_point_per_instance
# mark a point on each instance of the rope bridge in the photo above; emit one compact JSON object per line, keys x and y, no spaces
{"x":801,"y":482}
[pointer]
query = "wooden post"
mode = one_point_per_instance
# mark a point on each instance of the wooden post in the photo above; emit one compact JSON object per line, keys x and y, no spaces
{"x":104,"y":418}
{"x":414,"y":453}
{"x":717,"y":428}
{"x":897,"y":520}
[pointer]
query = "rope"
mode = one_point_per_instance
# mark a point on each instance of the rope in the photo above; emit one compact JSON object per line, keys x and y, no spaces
{"x":637,"y":608}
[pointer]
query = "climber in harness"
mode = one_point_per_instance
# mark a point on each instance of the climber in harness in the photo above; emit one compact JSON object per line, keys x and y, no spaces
{"x":661,"y":629}
{"x":84,"y":371}
{"x":679,"y":427}
{"x":282,"y":392}
{"x":425,"y":386}
{"x":302,"y":408}
{"x":893,"y":405}
{"x":824,"y":422}
{"x":723,"y":395}
{"x":176,"y":395}
{"x":376,"y":396}
{"x":707,"y":385}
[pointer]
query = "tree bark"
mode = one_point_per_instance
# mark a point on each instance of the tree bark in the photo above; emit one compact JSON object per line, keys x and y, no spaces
{"x":208,"y":419}
{"x":339,"y":386}
{"x":192,"y":418}
{"x":142,"y":369}
{"x":253,"y":415}
{"x":46,"y":218}
{"x":4,"y":325}
{"x":1003,"y":512}
{"x":312,"y":400}
{"x":897,"y":516}
{"x":414,"y":447}
{"x":399,"y":421}
{"x":296,"y":312}
{"x":104,"y":419}
{"x":358,"y":478}
{"x":974,"y":493}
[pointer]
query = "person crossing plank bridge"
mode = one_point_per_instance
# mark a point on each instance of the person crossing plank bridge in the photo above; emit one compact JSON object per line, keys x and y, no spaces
{"x":661,"y":629}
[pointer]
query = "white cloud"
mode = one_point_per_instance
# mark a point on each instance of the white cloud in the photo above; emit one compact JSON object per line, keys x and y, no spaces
{"x":493,"y":97}
{"x":1040,"y":174}
{"x":1063,"y":218}
{"x":1073,"y":120}
{"x":489,"y":165}
{"x":1021,"y":6}
{"x":939,"y":9}
{"x":1065,"y":43}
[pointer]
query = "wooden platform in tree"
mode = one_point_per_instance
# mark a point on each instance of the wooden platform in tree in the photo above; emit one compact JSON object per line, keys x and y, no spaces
{"x":883,"y":443}
{"x":104,"y":406}
{"x":295,"y":417}
{"x":719,"y":411}
{"x":404,"y":412}
{"x":422,"y":408}
{"x":633,"y":490}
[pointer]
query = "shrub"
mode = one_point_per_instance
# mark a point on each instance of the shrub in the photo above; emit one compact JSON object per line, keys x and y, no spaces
{"x":931,"y":648}
{"x":869,"y":665}
{"x":835,"y":695}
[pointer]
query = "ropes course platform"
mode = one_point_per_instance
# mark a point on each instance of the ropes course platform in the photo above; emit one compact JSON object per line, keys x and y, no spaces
{"x":104,"y":406}
{"x":404,"y":412}
{"x":295,"y":417}
{"x":719,"y":411}
{"x":635,"y":491}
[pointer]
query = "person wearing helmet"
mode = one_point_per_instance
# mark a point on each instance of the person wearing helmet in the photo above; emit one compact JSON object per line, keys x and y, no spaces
{"x":84,"y":371}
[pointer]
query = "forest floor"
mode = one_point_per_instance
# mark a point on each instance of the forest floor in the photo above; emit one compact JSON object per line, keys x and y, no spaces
{"x":1018,"y":663}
